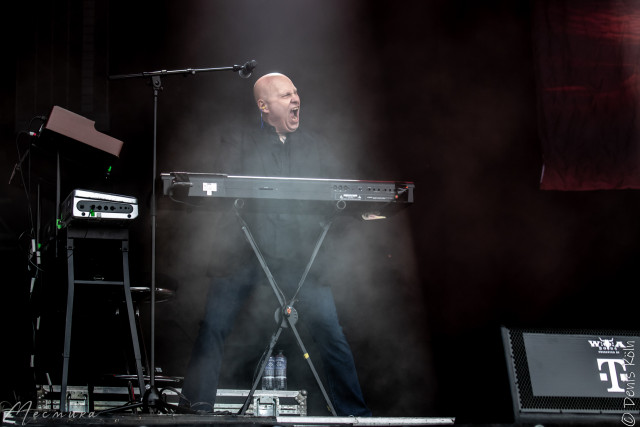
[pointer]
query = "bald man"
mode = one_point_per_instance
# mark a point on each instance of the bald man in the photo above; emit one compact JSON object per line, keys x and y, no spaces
{"x":278,"y":100}
{"x":286,"y":240}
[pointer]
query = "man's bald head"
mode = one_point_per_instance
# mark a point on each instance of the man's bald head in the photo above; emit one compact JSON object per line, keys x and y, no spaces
{"x":262,"y":86}
{"x":278,"y":100}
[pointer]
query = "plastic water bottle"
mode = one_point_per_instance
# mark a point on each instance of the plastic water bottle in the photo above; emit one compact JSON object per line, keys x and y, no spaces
{"x":281,"y":371}
{"x":268,"y":376}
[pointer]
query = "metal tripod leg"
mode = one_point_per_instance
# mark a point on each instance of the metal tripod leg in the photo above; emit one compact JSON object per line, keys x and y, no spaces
{"x":67,"y":330}
{"x":132,"y":322}
{"x":254,"y":386}
{"x":306,"y":356}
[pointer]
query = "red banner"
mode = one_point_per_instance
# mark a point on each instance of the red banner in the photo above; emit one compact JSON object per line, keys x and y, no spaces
{"x":587,"y":55}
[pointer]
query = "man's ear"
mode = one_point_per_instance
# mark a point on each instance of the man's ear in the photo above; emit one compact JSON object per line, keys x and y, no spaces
{"x":263,"y":106}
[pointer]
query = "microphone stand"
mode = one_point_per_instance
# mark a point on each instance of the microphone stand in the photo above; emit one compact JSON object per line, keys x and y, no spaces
{"x":152,"y":399}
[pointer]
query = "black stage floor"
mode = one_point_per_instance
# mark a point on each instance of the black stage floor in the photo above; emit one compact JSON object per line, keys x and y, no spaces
{"x":22,"y":415}
{"x":32,"y":418}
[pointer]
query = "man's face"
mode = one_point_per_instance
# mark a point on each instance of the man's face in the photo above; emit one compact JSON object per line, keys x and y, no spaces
{"x":282,"y":105}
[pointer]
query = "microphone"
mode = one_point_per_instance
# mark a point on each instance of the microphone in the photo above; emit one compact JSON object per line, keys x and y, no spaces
{"x":246,"y":70}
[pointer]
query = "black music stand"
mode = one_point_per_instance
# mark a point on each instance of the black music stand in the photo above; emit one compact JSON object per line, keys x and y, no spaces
{"x":82,"y":141}
{"x":288,"y":313}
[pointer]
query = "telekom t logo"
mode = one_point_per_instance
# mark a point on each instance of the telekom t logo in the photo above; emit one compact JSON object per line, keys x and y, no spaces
{"x":610,"y":373}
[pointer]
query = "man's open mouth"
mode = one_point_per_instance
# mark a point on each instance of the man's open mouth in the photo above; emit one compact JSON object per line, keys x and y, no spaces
{"x":295,"y":112}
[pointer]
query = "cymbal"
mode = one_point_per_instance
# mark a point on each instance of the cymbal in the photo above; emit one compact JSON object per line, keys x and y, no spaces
{"x":143,"y":294}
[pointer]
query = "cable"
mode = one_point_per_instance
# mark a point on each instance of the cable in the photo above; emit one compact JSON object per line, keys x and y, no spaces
{"x":18,"y":168}
{"x":31,"y":250}
{"x":260,"y":361}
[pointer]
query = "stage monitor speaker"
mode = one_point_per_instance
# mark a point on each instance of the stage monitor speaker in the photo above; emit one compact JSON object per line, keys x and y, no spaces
{"x":562,"y":375}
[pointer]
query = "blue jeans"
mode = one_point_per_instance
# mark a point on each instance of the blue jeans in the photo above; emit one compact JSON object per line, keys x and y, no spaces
{"x":317,"y":310}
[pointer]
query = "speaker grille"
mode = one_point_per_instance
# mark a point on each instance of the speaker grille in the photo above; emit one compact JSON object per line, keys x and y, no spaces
{"x":528,"y":402}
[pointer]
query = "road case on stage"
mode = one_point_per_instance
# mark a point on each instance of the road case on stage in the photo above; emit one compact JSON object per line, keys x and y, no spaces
{"x":266,"y":403}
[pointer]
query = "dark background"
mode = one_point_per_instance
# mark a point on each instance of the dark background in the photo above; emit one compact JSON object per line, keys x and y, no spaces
{"x":441,"y":93}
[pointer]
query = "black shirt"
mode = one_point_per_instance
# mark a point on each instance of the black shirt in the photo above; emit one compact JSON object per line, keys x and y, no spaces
{"x":286,"y":238}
